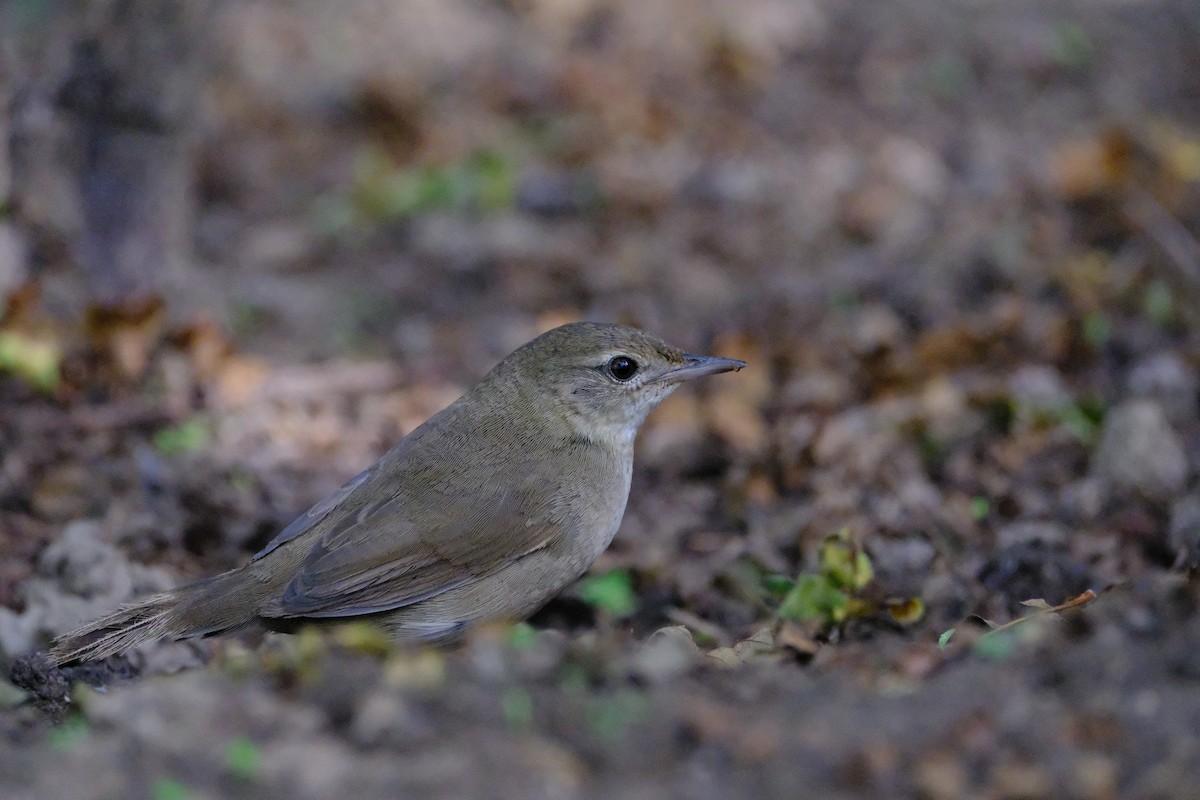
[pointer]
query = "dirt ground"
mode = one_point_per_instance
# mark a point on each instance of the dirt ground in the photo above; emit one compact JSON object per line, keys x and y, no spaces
{"x":939,"y":540}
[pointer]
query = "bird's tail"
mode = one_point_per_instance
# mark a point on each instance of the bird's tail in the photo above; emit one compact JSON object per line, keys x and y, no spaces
{"x":198,"y":609}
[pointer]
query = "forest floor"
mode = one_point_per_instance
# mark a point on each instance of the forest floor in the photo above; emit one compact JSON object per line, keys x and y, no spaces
{"x":939,"y":540}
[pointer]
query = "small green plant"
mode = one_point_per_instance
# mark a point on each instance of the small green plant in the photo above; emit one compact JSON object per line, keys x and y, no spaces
{"x":1073,"y":47}
{"x":833,"y":593}
{"x":611,"y":593}
{"x":242,"y":757}
{"x":1082,"y":418}
{"x":997,"y":645}
{"x":241,"y":480}
{"x":610,"y":717}
{"x":980,"y":507}
{"x":69,"y":733}
{"x":827,"y":595}
{"x":186,"y":437}
{"x":573,"y":678}
{"x":777,"y":585}
{"x":484,"y":180}
{"x":522,"y":636}
{"x":815,"y":597}
{"x":168,"y":789}
{"x":34,"y":360}
{"x":517,"y":707}
{"x":1158,"y":302}
{"x":1097,"y":328}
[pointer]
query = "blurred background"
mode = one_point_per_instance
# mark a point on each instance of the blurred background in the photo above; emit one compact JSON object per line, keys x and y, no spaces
{"x":246,"y":245}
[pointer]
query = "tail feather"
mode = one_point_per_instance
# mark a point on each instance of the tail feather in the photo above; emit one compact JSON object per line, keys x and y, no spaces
{"x":213,"y":605}
{"x":128,"y":626}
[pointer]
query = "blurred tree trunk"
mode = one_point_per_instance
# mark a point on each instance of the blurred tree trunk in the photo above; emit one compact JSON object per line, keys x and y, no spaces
{"x":102,"y":110}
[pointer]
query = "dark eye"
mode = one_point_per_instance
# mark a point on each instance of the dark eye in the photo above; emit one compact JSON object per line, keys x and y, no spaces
{"x":622,"y":367}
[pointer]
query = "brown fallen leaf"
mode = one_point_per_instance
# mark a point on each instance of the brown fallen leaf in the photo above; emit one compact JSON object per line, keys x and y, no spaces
{"x":759,"y":645}
{"x":795,"y":638}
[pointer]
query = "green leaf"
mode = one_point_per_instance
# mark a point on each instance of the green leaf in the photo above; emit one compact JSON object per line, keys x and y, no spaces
{"x":517,"y":707}
{"x":610,"y":717}
{"x":996,"y":645}
{"x":1159,"y":303}
{"x":34,"y":360}
{"x":573,"y":678}
{"x":980,"y":508}
{"x":1082,"y":418}
{"x":777,"y":584}
{"x":611,"y":592}
{"x":844,"y":564}
{"x":1073,"y":49}
{"x":186,"y":437}
{"x":814,"y":597}
{"x":946,"y":636}
{"x":168,"y":789}
{"x":522,"y":636}
{"x":242,"y":757}
{"x":495,"y":180}
{"x":1097,"y":328}
{"x":69,"y":733}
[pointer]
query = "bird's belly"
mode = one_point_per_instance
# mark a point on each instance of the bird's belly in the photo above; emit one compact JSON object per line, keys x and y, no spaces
{"x":527,"y":583}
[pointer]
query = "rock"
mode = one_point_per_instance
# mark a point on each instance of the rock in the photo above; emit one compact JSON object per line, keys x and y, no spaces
{"x":84,"y":563}
{"x":80,"y":576}
{"x":385,"y":717}
{"x":1085,"y":499}
{"x":1165,"y":377}
{"x":1038,"y":390}
{"x":902,"y":555}
{"x":667,"y":654}
{"x":877,"y":328}
{"x":1184,"y":530}
{"x":1028,"y":532}
{"x":553,"y":193}
{"x":1140,"y":452}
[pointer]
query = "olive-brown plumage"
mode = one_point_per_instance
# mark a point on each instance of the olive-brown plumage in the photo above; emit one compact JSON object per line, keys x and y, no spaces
{"x":485,"y":511}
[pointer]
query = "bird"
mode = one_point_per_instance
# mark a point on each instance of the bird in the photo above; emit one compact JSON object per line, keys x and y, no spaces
{"x":484,"y":512}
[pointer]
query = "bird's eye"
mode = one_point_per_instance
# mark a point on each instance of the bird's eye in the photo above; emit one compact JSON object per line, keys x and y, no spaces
{"x":622,"y":367}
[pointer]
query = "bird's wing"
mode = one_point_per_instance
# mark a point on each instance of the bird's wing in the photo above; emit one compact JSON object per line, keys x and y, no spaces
{"x":378,"y":552}
{"x":321,"y":509}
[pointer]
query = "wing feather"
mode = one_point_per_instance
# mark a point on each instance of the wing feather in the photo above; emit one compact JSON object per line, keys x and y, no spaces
{"x":380,"y":545}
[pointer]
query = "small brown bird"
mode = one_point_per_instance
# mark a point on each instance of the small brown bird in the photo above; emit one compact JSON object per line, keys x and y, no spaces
{"x":484,"y":512}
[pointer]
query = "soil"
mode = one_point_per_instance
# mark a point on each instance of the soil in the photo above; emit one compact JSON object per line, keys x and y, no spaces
{"x":939,"y":540}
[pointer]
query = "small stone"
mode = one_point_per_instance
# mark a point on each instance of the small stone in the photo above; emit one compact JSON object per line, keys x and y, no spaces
{"x":1184,"y":530}
{"x":667,"y":654}
{"x":1165,"y":377}
{"x":1018,"y":533}
{"x":900,"y":555}
{"x":1139,"y":451}
{"x":84,"y":563}
{"x":383,"y":717}
{"x":1084,"y":500}
{"x":1038,"y":389}
{"x":80,"y":576}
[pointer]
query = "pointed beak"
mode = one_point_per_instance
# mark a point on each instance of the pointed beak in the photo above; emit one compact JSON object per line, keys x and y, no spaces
{"x":699,"y":366}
